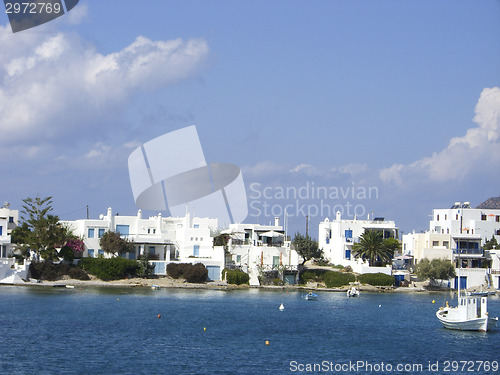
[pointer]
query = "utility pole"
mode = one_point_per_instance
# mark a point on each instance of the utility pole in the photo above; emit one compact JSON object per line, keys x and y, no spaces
{"x":307,"y":226}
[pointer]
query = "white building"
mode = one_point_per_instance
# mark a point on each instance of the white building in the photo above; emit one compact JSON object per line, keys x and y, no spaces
{"x":8,"y":221}
{"x":258,"y":249}
{"x":166,"y":239}
{"x":462,"y":219}
{"x":337,"y":237}
{"x":457,"y":234}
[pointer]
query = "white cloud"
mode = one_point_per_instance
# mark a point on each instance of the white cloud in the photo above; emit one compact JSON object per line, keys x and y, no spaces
{"x":54,"y":84}
{"x":477,"y":150}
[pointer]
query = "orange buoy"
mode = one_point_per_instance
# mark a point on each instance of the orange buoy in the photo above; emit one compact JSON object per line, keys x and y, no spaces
{"x":159,"y":316}
{"x":267,"y":342}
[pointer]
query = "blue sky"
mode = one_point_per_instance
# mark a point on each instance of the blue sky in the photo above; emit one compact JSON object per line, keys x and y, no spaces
{"x":398,"y":96}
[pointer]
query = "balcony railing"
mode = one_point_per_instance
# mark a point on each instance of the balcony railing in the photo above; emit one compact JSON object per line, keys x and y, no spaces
{"x":468,"y":251}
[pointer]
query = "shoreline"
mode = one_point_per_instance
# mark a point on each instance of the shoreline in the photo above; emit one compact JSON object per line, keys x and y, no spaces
{"x":169,"y":283}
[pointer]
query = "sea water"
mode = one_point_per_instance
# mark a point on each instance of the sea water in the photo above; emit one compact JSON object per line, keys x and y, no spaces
{"x":181,"y":331}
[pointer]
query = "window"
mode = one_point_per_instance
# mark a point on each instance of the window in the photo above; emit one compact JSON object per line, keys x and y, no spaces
{"x":483,"y":217}
{"x":151,"y":250}
{"x":435,"y":243}
{"x":348,"y":233}
{"x":437,"y":217}
{"x":497,"y":218}
{"x":0,"y":230}
{"x":90,"y":233}
{"x":446,"y":244}
{"x":11,"y":219}
{"x":201,"y":238}
{"x":101,"y":232}
{"x":100,"y":252}
{"x":348,"y":254}
{"x":196,"y":250}
{"x":122,"y":229}
{"x":131,"y":255}
{"x":238,"y":258}
{"x":276,"y":261}
{"x":196,"y":226}
{"x":446,"y":217}
{"x":91,"y":253}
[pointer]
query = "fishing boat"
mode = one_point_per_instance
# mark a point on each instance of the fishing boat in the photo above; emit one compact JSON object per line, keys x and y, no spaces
{"x":310,"y":296}
{"x":352,"y":292}
{"x":470,"y":314}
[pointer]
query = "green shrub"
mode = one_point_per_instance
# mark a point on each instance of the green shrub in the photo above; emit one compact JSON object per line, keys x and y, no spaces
{"x":109,"y":269}
{"x":197,"y":273}
{"x":236,"y":276}
{"x":47,"y":270}
{"x":376,"y":279}
{"x":315,"y":275}
{"x":145,"y":269}
{"x":78,"y":274}
{"x":334,"y":279}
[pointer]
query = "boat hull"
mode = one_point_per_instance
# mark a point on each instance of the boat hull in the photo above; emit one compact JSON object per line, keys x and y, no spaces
{"x":478,"y":324}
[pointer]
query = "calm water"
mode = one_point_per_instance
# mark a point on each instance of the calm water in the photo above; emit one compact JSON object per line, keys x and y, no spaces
{"x":117,"y":331}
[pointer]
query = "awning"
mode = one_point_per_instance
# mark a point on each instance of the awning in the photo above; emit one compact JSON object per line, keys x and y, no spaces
{"x":272,"y":233}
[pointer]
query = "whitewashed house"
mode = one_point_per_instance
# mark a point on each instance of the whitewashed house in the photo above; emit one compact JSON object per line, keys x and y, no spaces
{"x":8,"y":221}
{"x":166,"y":239}
{"x":337,"y":237}
{"x":457,"y":234}
{"x":257,"y":249}
{"x":10,"y":271}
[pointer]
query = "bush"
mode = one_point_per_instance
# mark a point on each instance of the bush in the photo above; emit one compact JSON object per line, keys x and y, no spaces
{"x":315,"y":275}
{"x":376,"y":279}
{"x":109,"y":269}
{"x":145,"y":269}
{"x":47,"y":270}
{"x":236,"y":277}
{"x":334,"y":279}
{"x":197,"y":273}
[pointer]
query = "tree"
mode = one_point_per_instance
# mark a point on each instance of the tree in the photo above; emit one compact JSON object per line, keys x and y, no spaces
{"x":113,"y":243}
{"x":491,"y":244}
{"x":392,"y":244}
{"x":437,"y":269}
{"x":371,"y":246}
{"x":40,"y":232}
{"x":306,"y":247}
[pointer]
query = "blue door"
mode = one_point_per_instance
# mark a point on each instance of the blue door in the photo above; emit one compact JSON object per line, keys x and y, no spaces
{"x":213,"y":273}
{"x":463,"y":282}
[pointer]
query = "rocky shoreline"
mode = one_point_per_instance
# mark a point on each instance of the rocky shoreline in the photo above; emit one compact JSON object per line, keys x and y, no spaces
{"x":168,"y":282}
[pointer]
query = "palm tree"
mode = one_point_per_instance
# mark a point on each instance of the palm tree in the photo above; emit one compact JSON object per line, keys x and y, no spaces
{"x":371,"y":246}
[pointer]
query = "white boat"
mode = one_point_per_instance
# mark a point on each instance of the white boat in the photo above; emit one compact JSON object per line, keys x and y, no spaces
{"x":352,"y":292}
{"x":155,"y":287}
{"x":471,"y":313}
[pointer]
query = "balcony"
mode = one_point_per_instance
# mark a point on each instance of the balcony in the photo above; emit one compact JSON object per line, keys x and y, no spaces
{"x":468,"y":251}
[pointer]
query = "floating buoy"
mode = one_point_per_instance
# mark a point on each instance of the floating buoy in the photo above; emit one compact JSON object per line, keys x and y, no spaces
{"x":204,"y":329}
{"x":117,"y":299}
{"x":433,"y":301}
{"x":379,"y":305}
{"x":282,"y":307}
{"x":159,"y":316}
{"x":267,"y":342}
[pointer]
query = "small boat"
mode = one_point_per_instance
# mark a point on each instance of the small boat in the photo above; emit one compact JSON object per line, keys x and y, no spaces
{"x":155,"y":287}
{"x":310,"y":296}
{"x":471,"y":313}
{"x":352,"y":292}
{"x":282,"y":307}
{"x":70,"y":286}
